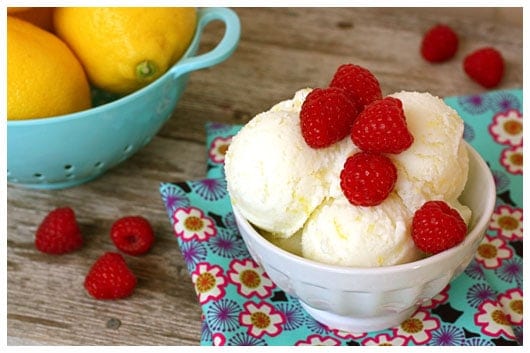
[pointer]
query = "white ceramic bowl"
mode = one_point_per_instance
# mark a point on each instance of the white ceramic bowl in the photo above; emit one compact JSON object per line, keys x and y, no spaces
{"x":371,"y":299}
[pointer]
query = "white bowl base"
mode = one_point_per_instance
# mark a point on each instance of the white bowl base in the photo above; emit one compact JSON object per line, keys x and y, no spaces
{"x":356,"y":324}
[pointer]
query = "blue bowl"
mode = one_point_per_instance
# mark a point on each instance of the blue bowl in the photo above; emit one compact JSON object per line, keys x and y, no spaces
{"x":68,"y":150}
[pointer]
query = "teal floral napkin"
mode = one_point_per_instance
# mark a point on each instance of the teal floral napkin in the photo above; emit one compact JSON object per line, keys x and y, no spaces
{"x":241,"y":306}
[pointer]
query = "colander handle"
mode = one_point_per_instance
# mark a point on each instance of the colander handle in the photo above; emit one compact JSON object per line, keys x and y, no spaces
{"x":222,"y":51}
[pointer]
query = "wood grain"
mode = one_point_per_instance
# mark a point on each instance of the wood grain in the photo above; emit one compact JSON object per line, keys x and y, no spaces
{"x":281,"y":50}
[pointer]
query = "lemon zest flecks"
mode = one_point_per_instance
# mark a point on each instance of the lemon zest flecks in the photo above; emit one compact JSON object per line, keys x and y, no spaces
{"x":338,"y":230}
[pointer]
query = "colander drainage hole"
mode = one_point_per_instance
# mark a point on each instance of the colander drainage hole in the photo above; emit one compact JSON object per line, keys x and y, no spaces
{"x":147,"y":140}
{"x":127,"y":149}
{"x":10,"y":177}
{"x":69,"y":171}
{"x":38,"y":176}
{"x":98,"y":165}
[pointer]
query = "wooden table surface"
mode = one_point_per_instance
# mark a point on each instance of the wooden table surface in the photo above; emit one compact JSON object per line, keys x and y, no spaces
{"x":281,"y":50}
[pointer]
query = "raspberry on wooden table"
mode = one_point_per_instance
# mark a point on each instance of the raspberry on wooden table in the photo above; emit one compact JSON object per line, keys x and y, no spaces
{"x":132,"y":234}
{"x":485,"y":66}
{"x":439,"y":44}
{"x":110,"y":278}
{"x":59,"y":232}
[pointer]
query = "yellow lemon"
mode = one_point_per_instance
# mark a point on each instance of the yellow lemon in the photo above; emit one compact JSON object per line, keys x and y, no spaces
{"x":123,"y":49}
{"x":44,"y":78}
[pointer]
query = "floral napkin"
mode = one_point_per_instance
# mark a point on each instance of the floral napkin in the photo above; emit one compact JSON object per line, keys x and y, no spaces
{"x":241,"y":306}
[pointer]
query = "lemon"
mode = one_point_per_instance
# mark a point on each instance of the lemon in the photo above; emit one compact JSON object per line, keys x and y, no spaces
{"x":13,"y":10}
{"x":44,"y":78}
{"x":123,"y":49}
{"x":39,"y":16}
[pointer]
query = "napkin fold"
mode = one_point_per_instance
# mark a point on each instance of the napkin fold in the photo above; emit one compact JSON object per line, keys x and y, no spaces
{"x":482,"y":306}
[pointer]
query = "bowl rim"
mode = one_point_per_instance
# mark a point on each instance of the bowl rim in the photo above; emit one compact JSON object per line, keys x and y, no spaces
{"x":432,"y":260}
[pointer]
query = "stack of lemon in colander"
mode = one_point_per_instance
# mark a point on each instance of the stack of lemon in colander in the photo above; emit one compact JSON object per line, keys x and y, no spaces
{"x":56,"y":54}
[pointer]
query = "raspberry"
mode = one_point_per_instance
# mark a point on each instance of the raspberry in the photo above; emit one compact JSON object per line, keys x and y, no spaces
{"x":359,"y":83}
{"x":58,"y":232}
{"x":132,"y":234}
{"x":326,"y":116}
{"x":381,"y":127}
{"x":367,"y":178}
{"x":437,"y":227}
{"x":439,"y":44}
{"x":485,"y":66}
{"x":110,"y":278}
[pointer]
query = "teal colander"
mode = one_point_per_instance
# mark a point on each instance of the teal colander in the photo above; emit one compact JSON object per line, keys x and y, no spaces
{"x":68,"y":150}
